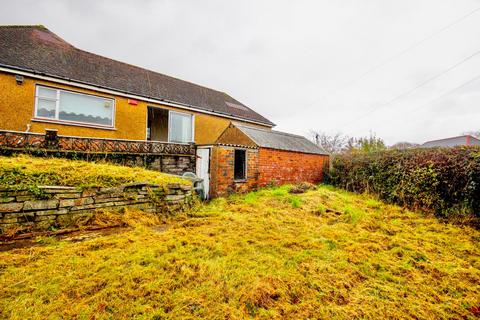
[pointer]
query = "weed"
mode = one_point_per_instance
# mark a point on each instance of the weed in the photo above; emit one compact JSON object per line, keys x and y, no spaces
{"x":250,"y":198}
{"x":320,"y":210}
{"x":355,"y":214}
{"x":279,"y":192}
{"x":372,"y":203}
{"x":295,"y":201}
{"x":331,"y":245}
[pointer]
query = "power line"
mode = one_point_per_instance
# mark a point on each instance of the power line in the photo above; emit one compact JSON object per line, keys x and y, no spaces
{"x":406,"y":93}
{"x":401,"y":53}
{"x":472,"y":80}
{"x":446,"y":94}
{"x":413,"y":46}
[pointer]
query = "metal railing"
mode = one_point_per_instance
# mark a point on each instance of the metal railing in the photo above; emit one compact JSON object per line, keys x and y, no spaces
{"x":50,"y":141}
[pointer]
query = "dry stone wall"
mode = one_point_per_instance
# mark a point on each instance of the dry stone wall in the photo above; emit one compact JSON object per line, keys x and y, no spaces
{"x":62,"y":206}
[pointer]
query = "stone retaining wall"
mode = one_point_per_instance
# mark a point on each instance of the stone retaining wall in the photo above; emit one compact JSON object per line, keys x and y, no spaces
{"x":63,"y":206}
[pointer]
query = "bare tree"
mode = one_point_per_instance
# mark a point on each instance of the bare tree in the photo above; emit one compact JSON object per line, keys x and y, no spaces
{"x":332,"y":144}
{"x":339,"y":143}
{"x":351,"y":144}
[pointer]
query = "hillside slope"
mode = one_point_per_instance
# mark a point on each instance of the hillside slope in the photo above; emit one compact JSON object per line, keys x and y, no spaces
{"x":269,"y":254}
{"x":29,"y":172}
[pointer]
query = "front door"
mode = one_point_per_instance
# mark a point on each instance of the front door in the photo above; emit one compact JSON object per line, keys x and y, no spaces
{"x":203,"y":167}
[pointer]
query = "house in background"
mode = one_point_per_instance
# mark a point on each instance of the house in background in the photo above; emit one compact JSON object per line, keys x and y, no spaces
{"x":465,"y":140}
{"x":91,"y":104}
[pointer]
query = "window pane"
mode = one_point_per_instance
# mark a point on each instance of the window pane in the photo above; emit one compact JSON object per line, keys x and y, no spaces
{"x":83,"y":108}
{"x":47,"y":93}
{"x":180,"y":127}
{"x":46,"y":108}
{"x":239,"y":165}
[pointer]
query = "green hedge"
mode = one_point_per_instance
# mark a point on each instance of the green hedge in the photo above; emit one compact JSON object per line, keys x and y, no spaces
{"x":445,"y":181}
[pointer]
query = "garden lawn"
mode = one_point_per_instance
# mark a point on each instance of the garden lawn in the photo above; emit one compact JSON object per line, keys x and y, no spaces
{"x":323,"y":254}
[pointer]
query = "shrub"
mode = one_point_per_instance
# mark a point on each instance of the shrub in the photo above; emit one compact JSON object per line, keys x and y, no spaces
{"x":445,"y":181}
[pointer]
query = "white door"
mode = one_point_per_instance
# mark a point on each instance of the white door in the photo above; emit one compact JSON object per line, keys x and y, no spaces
{"x":203,"y":167}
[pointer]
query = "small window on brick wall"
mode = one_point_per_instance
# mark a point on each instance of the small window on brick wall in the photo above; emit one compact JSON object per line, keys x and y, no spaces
{"x":240,"y":164}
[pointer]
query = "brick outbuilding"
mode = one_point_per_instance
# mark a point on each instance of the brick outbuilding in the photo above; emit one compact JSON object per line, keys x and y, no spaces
{"x":245,"y":158}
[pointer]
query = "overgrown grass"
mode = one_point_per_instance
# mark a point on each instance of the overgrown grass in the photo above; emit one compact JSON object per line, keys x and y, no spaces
{"x":332,"y":255}
{"x":26,"y":172}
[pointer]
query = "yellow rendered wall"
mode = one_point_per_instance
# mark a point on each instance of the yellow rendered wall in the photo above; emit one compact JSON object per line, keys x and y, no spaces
{"x":17,"y":104}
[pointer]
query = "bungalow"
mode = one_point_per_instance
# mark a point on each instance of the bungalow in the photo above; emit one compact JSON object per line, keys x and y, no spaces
{"x":48,"y":85}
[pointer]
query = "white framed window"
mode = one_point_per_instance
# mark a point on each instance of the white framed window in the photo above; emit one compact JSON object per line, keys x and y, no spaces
{"x":73,"y":107}
{"x":180,"y":127}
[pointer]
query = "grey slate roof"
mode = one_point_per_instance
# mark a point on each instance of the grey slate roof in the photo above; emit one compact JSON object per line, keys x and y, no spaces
{"x":37,"y":50}
{"x":273,"y":139}
{"x":452,"y":142}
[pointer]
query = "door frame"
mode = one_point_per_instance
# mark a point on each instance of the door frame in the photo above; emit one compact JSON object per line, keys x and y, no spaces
{"x":169,"y":123}
{"x":207,"y":187}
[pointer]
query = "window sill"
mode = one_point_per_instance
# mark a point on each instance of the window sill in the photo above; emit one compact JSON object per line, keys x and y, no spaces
{"x":76,"y":124}
{"x":179,"y":142}
{"x":240,"y":180}
{"x":172,"y":142}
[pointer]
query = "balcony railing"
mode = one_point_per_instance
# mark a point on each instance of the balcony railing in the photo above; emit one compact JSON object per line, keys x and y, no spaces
{"x":50,"y":141}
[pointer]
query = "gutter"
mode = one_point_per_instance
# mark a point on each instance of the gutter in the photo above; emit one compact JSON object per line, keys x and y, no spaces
{"x":85,"y":85}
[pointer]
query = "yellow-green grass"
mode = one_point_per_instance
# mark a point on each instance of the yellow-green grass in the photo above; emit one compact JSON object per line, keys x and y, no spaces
{"x":323,"y":254}
{"x":30,"y":172}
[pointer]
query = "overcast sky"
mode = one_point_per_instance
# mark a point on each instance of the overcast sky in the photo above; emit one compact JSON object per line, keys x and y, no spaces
{"x":324,"y":65}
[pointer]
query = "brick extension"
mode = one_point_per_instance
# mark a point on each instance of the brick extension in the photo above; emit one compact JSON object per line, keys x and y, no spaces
{"x":221,"y":172}
{"x":264,"y":167}
{"x":273,"y":158}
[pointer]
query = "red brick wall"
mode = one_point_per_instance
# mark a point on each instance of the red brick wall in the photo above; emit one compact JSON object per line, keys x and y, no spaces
{"x":281,"y":167}
{"x":264,"y":167}
{"x":221,"y":172}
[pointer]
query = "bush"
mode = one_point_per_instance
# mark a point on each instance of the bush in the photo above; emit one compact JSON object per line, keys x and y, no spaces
{"x":445,"y":181}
